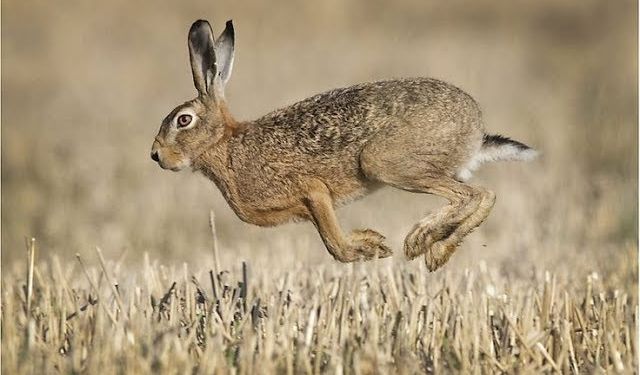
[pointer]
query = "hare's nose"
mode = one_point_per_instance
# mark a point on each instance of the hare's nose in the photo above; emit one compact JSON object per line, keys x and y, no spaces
{"x":154,"y":156}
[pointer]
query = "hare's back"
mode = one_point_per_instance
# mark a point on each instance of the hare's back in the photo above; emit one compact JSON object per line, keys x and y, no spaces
{"x":343,"y":116}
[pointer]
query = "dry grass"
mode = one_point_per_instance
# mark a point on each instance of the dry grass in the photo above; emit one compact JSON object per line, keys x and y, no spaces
{"x":358,"y":319}
{"x":85,"y":85}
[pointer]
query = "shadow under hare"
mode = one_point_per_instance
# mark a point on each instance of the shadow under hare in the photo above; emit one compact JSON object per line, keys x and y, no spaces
{"x":302,"y":161}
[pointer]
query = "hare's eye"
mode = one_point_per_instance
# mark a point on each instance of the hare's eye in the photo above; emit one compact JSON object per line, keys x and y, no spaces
{"x":184,"y":120}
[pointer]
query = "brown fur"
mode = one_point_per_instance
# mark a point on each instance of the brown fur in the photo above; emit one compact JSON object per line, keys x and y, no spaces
{"x":303,"y":161}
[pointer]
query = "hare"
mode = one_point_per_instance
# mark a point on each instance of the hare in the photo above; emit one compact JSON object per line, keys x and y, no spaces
{"x":303,"y":161}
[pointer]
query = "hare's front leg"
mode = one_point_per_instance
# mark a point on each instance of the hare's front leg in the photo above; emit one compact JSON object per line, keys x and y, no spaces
{"x":362,"y":244}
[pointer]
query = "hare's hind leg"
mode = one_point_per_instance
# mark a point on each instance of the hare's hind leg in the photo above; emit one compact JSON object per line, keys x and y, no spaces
{"x":476,"y":199}
{"x":403,"y":163}
{"x":437,"y":235}
{"x":362,"y":244}
{"x":442,"y":224}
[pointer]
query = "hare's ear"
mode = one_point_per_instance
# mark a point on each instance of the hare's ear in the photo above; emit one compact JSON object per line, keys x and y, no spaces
{"x":224,"y":53}
{"x":202,"y":56}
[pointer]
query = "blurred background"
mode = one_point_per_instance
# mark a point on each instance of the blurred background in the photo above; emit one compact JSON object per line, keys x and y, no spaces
{"x":86,"y":84}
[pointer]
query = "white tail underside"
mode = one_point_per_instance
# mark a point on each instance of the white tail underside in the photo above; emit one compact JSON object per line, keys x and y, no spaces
{"x":491,"y":153}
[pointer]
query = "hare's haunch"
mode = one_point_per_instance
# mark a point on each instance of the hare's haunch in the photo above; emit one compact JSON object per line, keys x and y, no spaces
{"x":302,"y":161}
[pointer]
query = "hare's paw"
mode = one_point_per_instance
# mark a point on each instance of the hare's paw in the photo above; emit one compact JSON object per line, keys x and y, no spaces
{"x":424,"y":235}
{"x":417,"y":242}
{"x":439,"y":254}
{"x":369,"y":244}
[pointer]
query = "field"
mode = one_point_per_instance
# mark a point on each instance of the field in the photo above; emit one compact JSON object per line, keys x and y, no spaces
{"x":110,"y":264}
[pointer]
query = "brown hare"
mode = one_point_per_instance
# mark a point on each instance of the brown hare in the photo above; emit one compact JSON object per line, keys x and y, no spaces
{"x":303,"y":161}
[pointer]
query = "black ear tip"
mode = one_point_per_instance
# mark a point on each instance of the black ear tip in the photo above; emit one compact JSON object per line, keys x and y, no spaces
{"x":199,"y":24}
{"x":229,"y":24}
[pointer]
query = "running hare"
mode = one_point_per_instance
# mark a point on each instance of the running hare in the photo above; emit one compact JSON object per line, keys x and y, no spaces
{"x":303,"y":161}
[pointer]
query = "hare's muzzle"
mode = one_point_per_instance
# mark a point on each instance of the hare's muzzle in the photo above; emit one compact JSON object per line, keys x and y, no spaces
{"x":167,"y":157}
{"x":154,"y":151}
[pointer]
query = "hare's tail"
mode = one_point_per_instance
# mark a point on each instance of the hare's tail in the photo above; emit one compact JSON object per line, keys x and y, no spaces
{"x":497,"y":147}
